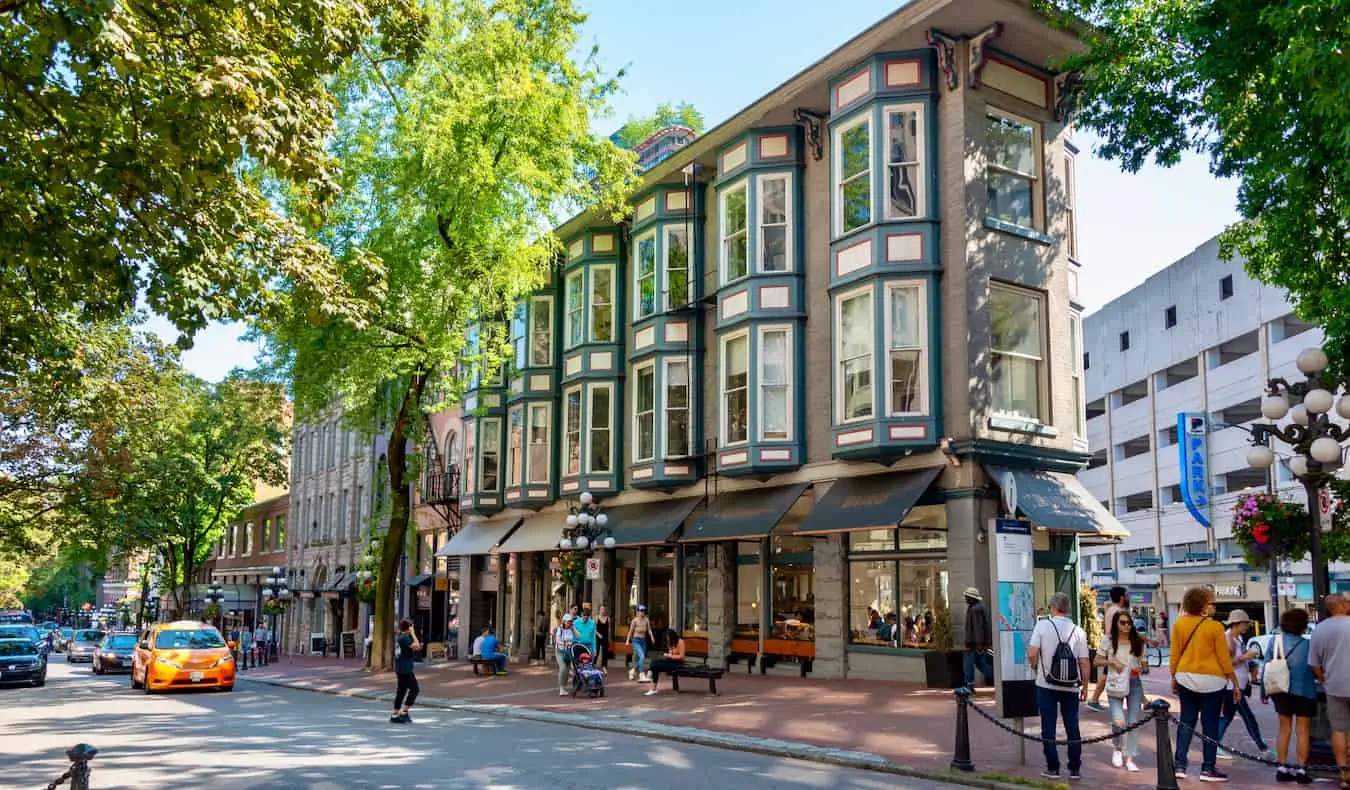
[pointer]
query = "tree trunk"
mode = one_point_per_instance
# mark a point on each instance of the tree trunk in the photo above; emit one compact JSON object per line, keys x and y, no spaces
{"x":400,"y":513}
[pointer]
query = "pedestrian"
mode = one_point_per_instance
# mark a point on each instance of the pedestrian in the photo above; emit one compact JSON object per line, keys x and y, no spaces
{"x":476,"y":649}
{"x":1059,"y":651}
{"x":491,"y":653}
{"x":540,"y":637}
{"x":1121,"y":654}
{"x":262,"y":640}
{"x":1238,"y":623}
{"x":602,"y":634}
{"x":1119,"y":600}
{"x":563,"y":638}
{"x":979,"y":639}
{"x":1202,"y":670}
{"x":639,"y":631}
{"x":1330,"y":662}
{"x":405,"y":693}
{"x":1289,"y":682}
{"x":246,"y":645}
{"x":671,"y":661}
{"x":585,"y":630}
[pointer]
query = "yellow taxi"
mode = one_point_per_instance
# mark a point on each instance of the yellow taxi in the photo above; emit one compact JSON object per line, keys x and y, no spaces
{"x":185,"y":654}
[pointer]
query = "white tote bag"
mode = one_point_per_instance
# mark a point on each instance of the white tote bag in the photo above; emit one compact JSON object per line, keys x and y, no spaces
{"x":1277,"y":670}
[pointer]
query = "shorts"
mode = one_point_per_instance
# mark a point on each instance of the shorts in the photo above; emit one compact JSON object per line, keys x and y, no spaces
{"x":1338,"y":713}
{"x":1294,"y":705}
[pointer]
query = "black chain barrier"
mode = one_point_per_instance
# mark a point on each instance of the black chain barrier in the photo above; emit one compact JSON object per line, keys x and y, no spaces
{"x":1116,"y":733}
{"x":1256,"y":758}
{"x":59,"y":780}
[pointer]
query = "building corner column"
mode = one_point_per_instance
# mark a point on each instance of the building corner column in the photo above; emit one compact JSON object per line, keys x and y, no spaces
{"x":831,"y":569}
{"x":722,"y":613}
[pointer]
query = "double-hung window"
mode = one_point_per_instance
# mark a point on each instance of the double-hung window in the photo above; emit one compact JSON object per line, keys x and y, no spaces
{"x":575,"y":297}
{"x":677,"y":267}
{"x":676,"y":436}
{"x":775,"y":371}
{"x":644,"y":412}
{"x":470,"y":482}
{"x":904,"y":162}
{"x":537,"y":469}
{"x":541,"y":332}
{"x":735,"y":388}
{"x":515,"y":451}
{"x":1017,"y":350}
{"x":518,"y":338}
{"x":600,"y":422}
{"x":735,"y":235}
{"x":775,"y":222}
{"x":644,"y":268}
{"x":602,"y":304}
{"x":905,"y":349}
{"x":853,"y":175}
{"x":1013,"y":172}
{"x":572,"y":432}
{"x":855,"y":336}
{"x":1076,"y":359}
{"x":489,"y":457}
{"x":1071,"y":206}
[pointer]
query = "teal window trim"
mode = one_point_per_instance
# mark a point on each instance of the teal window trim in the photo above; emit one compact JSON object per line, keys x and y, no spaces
{"x":1030,"y":234}
{"x":645,"y":409}
{"x":591,"y":433}
{"x":735,"y":238}
{"x":533,"y":433}
{"x":666,"y":412}
{"x":764,"y":384}
{"x":571,"y":441}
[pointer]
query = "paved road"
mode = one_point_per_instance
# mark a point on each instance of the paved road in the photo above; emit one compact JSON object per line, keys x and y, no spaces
{"x":266,"y":737}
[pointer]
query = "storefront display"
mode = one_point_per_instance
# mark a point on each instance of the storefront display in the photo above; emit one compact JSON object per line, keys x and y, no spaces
{"x":897,"y":578}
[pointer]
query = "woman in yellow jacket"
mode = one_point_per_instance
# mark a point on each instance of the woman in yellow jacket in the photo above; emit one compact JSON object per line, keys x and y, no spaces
{"x":1202,"y":668}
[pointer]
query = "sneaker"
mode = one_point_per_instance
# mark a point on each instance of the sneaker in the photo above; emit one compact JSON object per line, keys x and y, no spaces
{"x":1117,"y":758}
{"x":405,"y":718}
{"x":646,"y":678}
{"x":1270,"y":754}
{"x":1130,"y":766}
{"x":562,"y":692}
{"x":1224,"y":754}
{"x":1048,"y":774}
{"x":1284,"y":775}
{"x":500,"y":674}
{"x":394,"y":718}
{"x":1212,"y":775}
{"x":650,"y":691}
{"x":632,"y":674}
{"x":1301,"y":776}
{"x":1179,"y":773}
{"x":1097,"y":706}
{"x":1074,"y":776}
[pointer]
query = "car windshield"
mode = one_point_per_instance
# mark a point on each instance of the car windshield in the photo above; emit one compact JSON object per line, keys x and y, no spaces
{"x":19,"y":632}
{"x":195,"y":639}
{"x":120,"y":641}
{"x":89,"y":636}
{"x":17,"y":647}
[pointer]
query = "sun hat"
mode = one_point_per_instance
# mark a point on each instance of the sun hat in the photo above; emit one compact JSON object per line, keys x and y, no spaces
{"x":567,"y":618}
{"x":1237,"y":616}
{"x":971,"y":592}
{"x":642,"y":607}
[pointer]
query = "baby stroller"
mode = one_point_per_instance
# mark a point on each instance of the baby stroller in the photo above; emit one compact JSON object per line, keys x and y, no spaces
{"x":586,"y":676}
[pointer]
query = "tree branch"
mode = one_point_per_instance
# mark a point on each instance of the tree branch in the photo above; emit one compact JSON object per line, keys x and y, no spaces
{"x":375,"y":66}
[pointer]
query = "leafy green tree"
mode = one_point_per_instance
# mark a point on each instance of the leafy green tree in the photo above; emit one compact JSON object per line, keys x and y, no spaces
{"x":636,"y":129}
{"x":456,"y":163}
{"x":1260,"y":88}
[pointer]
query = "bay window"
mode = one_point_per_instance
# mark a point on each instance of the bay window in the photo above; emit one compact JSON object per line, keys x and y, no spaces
{"x":515,"y":435}
{"x":1017,"y":350}
{"x":600,"y":423}
{"x":853,"y":175}
{"x":677,"y":267}
{"x":1013,"y":169}
{"x":644,"y":272}
{"x":539,"y":431}
{"x":572,"y":432}
{"x":853,"y":349}
{"x":575,"y":307}
{"x":735,"y":236}
{"x":518,"y":359}
{"x":904,"y":162}
{"x":602,"y":304}
{"x":775,"y":368}
{"x":470,"y":475}
{"x":775,"y":223}
{"x":489,"y":456}
{"x":905,"y":353}
{"x":735,"y":389}
{"x":677,"y":434}
{"x":644,"y":412}
{"x":541,"y":332}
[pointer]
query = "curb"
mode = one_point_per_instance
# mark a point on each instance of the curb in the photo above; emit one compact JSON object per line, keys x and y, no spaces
{"x":770,"y":747}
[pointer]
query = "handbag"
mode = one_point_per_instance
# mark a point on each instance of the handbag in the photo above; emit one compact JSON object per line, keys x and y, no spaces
{"x":1277,"y":669}
{"x":1118,"y":683}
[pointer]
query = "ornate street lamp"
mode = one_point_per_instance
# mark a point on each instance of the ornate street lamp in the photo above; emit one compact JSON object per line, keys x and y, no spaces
{"x":274,"y":589}
{"x":215,"y":596}
{"x":586,"y":528}
{"x":1315,"y":439}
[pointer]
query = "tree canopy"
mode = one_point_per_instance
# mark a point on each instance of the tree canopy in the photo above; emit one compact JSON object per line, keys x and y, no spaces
{"x":1259,"y":87}
{"x":636,"y":129}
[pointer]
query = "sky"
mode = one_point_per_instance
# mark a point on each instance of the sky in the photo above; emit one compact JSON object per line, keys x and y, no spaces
{"x":722,"y":55}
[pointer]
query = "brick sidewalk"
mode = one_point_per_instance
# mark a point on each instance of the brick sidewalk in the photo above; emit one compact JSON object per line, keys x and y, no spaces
{"x":901,"y":723}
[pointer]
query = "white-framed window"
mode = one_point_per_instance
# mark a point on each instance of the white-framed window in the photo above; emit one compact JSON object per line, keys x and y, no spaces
{"x":541,"y":332}
{"x":906,"y":342}
{"x":853,"y":174}
{"x":602,"y":304}
{"x":248,"y":538}
{"x":1071,"y":211}
{"x":644,"y":412}
{"x":572,"y":432}
{"x":489,"y":455}
{"x":735,"y":232}
{"x":904,"y":161}
{"x":515,"y":446}
{"x":576,"y":304}
{"x":774,"y":193}
{"x":677,"y":437}
{"x":677,"y":266}
{"x":1013,"y":173}
{"x":600,"y":421}
{"x":735,"y":389}
{"x":344,"y":516}
{"x":855,"y":337}
{"x":644,"y":274}
{"x":537,"y":463}
{"x":1076,"y":357}
{"x":518,"y":335}
{"x":470,"y":481}
{"x":775,"y":383}
{"x":1017,"y":350}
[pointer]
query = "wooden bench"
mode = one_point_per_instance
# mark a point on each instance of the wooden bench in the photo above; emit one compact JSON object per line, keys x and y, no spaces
{"x":436,"y":650}
{"x":479,"y":661}
{"x":712,"y":674}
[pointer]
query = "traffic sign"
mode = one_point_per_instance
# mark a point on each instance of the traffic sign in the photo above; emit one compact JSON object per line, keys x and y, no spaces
{"x":592,"y":568}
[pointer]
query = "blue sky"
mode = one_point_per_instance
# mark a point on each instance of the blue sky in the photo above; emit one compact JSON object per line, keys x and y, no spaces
{"x":721,"y":55}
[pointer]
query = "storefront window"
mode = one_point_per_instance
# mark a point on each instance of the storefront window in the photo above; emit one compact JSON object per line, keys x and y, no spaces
{"x":872,"y":609}
{"x":695,"y":590}
{"x":659,"y":594}
{"x":625,"y":588}
{"x":794,"y":593}
{"x":897,"y":579}
{"x":871,"y":540}
{"x":749,"y":587}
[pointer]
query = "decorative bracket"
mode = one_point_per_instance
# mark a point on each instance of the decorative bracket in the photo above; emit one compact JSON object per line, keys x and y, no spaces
{"x":946,"y":52}
{"x":1068,"y":87}
{"x":979,"y":54}
{"x":813,"y":122}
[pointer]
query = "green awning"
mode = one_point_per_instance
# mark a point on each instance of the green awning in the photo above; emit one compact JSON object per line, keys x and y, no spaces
{"x":649,"y":523}
{"x":869,"y":502}
{"x":744,"y":515}
{"x":480,"y":537}
{"x":1058,"y":502}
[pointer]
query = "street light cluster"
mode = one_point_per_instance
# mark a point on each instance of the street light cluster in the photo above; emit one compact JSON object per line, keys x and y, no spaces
{"x":586,"y":527}
{"x":275,"y":586}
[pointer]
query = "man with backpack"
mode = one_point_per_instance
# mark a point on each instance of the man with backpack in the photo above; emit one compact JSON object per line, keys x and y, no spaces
{"x":1058,"y":650}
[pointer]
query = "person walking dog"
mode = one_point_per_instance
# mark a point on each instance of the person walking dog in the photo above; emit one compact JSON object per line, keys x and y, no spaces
{"x":405,"y":693}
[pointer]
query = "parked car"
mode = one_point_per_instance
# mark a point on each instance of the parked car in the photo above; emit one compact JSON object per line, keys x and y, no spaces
{"x":114,"y":653}
{"x":22,"y":661}
{"x":20,"y":631}
{"x":62,"y":639}
{"x":185,"y":654}
{"x":82,"y":645}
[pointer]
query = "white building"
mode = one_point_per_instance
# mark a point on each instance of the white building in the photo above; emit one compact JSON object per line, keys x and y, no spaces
{"x":1199,"y":336}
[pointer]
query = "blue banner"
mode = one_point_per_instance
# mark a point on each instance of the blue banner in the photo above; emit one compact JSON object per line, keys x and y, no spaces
{"x":1193,"y":439}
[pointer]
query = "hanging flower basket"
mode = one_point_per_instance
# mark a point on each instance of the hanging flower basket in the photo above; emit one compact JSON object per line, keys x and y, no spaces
{"x":572,"y":567}
{"x":212,"y":611}
{"x":365,"y":590}
{"x":274,"y":606}
{"x":1266,"y":527}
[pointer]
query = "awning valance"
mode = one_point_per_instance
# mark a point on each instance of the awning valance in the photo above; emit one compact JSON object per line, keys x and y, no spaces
{"x":749,"y":515}
{"x":421,"y":579}
{"x":481,"y":537}
{"x":870,"y":502}
{"x":1059,"y":503}
{"x":649,"y":523}
{"x":538,"y":533}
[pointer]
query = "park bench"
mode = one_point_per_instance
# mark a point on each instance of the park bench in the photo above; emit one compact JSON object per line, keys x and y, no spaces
{"x":488,"y":665}
{"x":703,"y":671}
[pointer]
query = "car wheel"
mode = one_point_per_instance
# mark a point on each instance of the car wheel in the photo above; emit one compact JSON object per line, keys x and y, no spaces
{"x":40,"y":682}
{"x":145,"y":682}
{"x":227,"y":689}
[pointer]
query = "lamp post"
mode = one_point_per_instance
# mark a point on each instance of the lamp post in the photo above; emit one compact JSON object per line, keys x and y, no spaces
{"x":274,"y":589}
{"x":1315,"y":439}
{"x":215,"y":596}
{"x":586,"y":527}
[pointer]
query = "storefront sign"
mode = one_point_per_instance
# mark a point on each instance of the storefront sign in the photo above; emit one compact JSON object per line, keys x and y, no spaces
{"x":1192,"y":432}
{"x":442,"y":584}
{"x":593,"y":568}
{"x":423,"y":598}
{"x":1013,"y":610}
{"x":1238,"y":591}
{"x":1288,"y":588}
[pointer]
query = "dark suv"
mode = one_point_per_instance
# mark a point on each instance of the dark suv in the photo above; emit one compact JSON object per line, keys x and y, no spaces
{"x":22,"y":661}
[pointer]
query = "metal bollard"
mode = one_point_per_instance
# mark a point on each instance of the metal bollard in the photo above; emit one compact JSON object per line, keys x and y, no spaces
{"x":961,"y":760}
{"x":1167,"y":775}
{"x":80,"y":755}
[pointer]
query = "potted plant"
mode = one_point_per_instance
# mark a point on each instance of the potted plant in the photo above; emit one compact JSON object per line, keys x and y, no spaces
{"x":1092,"y":623}
{"x":944,"y":666}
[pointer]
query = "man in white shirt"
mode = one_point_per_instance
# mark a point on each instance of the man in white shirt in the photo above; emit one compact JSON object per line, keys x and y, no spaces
{"x":1060,"y":684}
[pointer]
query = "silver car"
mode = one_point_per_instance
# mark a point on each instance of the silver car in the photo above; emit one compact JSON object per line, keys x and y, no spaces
{"x":82,"y":646}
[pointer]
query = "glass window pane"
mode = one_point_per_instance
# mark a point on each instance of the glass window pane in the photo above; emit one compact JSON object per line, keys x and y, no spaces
{"x":774,"y":403}
{"x":1010,"y":198}
{"x":572,"y":417}
{"x":1017,"y":322}
{"x":773,"y":354}
{"x":858,"y":388}
{"x":905,"y":329}
{"x":857,"y":197}
{"x":1011,"y":144}
{"x":856,"y":324}
{"x":646,"y":389}
{"x":749,"y":591}
{"x":515,"y":449}
{"x":538,"y":471}
{"x":646,"y":275}
{"x":794,"y":598}
{"x":775,"y":241}
{"x":1015,"y":382}
{"x":518,"y":336}
{"x":677,"y":409}
{"x":872,"y":603}
{"x":677,"y":267}
{"x":905,"y":378}
{"x":541,"y":343}
{"x":737,"y":397}
{"x":923,"y":585}
{"x":574,"y":309}
{"x":602,"y":305}
{"x":854,"y":151}
{"x":871,"y":540}
{"x":902,"y":170}
{"x":773,"y":201}
{"x":734,"y":214}
{"x":695,"y":590}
